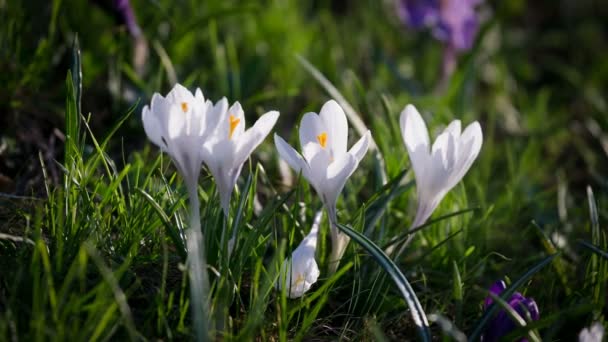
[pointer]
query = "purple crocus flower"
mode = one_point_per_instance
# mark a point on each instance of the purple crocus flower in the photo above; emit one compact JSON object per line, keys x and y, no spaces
{"x":123,"y":13}
{"x":502,"y":324}
{"x":453,"y":22}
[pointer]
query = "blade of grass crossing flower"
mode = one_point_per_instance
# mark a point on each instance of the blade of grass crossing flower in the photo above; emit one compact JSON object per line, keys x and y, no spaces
{"x":514,"y":315}
{"x":507,"y":294}
{"x":399,"y":279}
{"x":595,"y":249}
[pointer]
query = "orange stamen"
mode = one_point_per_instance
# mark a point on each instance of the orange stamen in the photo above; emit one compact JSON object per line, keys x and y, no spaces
{"x":184,"y":107}
{"x":322,"y":138}
{"x":234,"y":121}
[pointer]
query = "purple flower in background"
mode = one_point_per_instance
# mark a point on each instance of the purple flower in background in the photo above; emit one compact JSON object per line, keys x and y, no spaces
{"x":502,"y":324}
{"x":123,"y":13}
{"x":453,"y":22}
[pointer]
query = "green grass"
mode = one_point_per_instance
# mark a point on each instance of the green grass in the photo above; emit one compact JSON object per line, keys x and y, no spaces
{"x":93,"y":221}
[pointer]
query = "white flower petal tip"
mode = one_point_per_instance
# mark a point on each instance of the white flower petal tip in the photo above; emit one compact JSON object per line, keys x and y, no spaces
{"x":595,"y":333}
{"x":176,"y":124}
{"x":440,"y":166}
{"x":229,"y":145}
{"x":301,"y":271}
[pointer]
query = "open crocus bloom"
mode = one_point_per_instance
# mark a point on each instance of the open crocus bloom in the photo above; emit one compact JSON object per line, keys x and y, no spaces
{"x":301,"y":271}
{"x":440,"y":167}
{"x":325,"y":162}
{"x":177,"y":124}
{"x":228,"y":146}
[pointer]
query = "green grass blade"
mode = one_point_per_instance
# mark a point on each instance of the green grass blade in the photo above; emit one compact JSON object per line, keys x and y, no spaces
{"x":399,"y":279}
{"x":595,"y":249}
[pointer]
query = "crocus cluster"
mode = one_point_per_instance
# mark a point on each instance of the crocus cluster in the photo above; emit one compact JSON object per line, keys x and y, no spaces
{"x":502,"y":324}
{"x":193,"y":131}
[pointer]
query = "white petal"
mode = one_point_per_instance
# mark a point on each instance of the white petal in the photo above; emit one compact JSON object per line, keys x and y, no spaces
{"x":254,"y":136}
{"x":360,"y":148}
{"x":454,"y":128}
{"x":469,"y":146}
{"x":179,"y":94}
{"x":291,"y":156}
{"x":219,"y":157}
{"x":215,"y":116}
{"x":337,"y":175}
{"x":176,"y":125}
{"x":335,"y":121}
{"x":311,"y":127}
{"x":152,"y":127}
{"x":413,"y":129}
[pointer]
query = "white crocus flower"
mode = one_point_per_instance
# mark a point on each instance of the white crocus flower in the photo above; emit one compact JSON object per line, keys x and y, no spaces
{"x":229,"y":146}
{"x":595,"y":333}
{"x":437,"y":168}
{"x":177,"y":124}
{"x":301,"y":271}
{"x":325,"y":162}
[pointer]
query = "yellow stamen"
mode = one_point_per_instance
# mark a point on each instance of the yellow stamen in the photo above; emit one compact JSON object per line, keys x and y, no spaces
{"x":184,"y":107}
{"x":322,"y":138}
{"x":299,"y":279}
{"x":234,"y":121}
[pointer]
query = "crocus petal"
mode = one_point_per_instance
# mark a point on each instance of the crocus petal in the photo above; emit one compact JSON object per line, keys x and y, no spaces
{"x":337,"y":174}
{"x":470,"y":145}
{"x":254,"y":136}
{"x":413,"y":129}
{"x":311,"y":127}
{"x":595,"y":333}
{"x":216,"y":115}
{"x":219,"y":158}
{"x":152,"y":127}
{"x":301,"y":271}
{"x":335,"y":121}
{"x":292,"y":157}
{"x":360,"y":147}
{"x":496,"y":289}
{"x":237,"y":112}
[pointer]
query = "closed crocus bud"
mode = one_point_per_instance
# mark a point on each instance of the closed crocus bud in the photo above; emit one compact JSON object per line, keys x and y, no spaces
{"x":229,"y":145}
{"x":299,"y":272}
{"x":502,"y":324}
{"x":177,"y":124}
{"x":595,"y":333}
{"x":437,"y":168}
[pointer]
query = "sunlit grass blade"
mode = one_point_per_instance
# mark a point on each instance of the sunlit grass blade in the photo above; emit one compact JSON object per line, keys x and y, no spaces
{"x":507,"y":294}
{"x":399,"y":279}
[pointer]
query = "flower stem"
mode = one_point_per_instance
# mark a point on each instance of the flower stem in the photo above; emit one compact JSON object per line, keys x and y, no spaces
{"x":339,"y":241}
{"x":199,"y":281}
